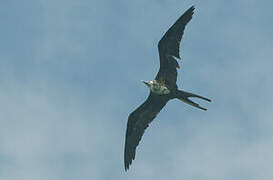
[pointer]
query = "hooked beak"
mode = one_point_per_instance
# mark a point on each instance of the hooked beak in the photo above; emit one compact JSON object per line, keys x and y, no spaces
{"x":145,"y":82}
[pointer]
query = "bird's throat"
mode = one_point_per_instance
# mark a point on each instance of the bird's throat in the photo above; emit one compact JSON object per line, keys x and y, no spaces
{"x":159,"y":88}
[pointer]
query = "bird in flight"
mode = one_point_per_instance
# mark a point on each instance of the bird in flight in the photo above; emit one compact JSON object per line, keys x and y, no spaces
{"x":162,"y":89}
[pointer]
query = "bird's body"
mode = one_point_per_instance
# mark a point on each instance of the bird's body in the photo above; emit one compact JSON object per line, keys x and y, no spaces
{"x":159,"y":88}
{"x":162,"y":89}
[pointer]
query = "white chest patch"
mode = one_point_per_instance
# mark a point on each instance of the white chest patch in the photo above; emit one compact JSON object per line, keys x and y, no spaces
{"x":159,"y":89}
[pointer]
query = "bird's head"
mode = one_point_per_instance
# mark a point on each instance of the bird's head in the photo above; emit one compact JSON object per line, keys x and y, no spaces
{"x":148,"y":83}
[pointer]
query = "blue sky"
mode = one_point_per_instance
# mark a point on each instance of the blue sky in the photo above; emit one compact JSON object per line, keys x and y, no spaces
{"x":70,"y":74}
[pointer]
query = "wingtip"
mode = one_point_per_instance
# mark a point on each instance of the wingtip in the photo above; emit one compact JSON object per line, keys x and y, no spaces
{"x":192,"y":8}
{"x":126,"y":166}
{"x":127,"y":163}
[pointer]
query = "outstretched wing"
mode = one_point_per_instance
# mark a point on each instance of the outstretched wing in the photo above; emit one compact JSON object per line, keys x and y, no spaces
{"x":168,"y":48}
{"x":138,"y":121}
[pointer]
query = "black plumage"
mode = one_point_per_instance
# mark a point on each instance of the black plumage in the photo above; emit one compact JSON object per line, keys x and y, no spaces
{"x":140,"y":119}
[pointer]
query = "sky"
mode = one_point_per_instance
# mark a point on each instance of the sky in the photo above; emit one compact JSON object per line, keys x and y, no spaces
{"x":70,"y":75}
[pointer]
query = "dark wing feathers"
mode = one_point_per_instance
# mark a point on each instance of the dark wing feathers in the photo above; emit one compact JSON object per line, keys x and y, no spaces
{"x":138,"y":121}
{"x":168,"y":73}
{"x":168,"y":48}
{"x":169,"y":44}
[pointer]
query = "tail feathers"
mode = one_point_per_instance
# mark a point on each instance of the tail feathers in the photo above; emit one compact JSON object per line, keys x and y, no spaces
{"x":187,"y":101}
{"x":184,"y":96}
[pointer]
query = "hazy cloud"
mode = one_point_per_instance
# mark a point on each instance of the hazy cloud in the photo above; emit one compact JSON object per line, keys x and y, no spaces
{"x":70,"y":74}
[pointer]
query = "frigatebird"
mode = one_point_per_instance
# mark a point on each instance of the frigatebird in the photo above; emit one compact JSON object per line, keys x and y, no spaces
{"x":162,"y":89}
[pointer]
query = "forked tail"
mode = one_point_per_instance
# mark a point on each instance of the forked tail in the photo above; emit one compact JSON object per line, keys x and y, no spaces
{"x":184,"y":96}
